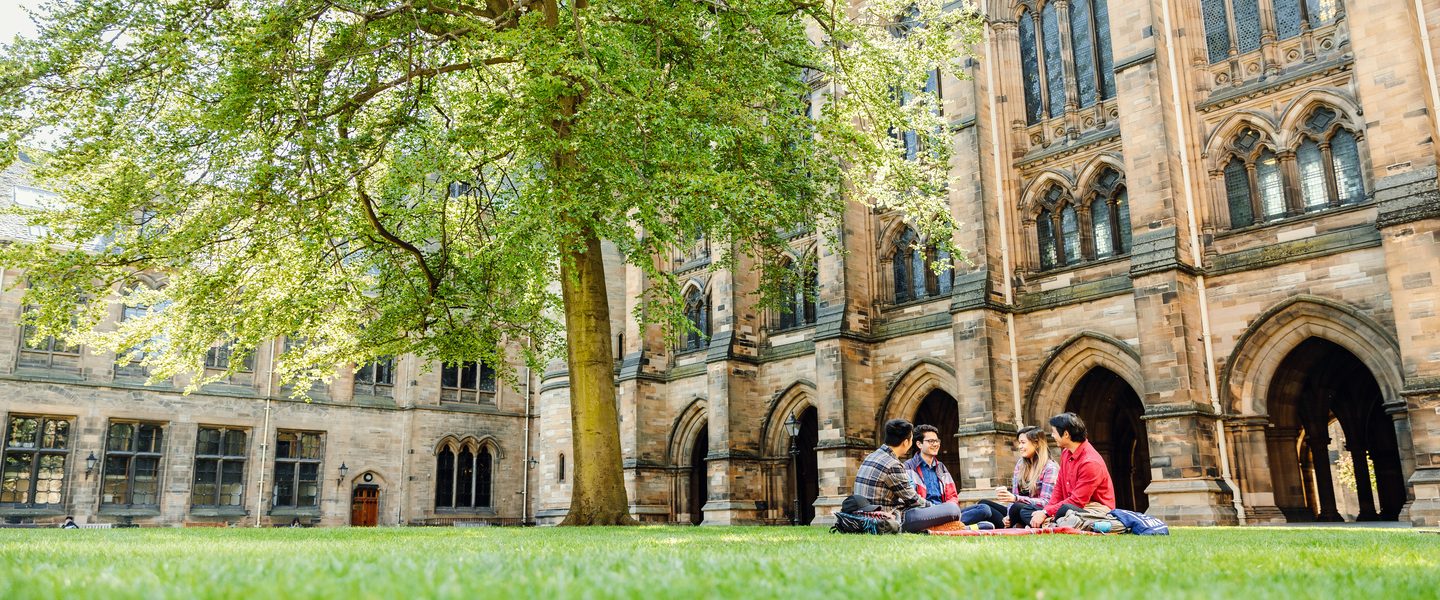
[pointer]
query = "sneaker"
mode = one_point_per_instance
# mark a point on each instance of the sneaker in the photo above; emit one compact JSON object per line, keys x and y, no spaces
{"x":981,"y":526}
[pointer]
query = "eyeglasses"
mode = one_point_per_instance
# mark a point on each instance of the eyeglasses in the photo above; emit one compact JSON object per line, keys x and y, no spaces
{"x":930,"y":441}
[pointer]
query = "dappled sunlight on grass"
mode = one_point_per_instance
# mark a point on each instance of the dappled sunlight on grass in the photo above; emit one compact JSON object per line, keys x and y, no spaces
{"x":647,"y":562}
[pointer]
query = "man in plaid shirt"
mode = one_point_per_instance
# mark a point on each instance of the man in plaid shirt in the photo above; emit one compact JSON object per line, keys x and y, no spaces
{"x":885,"y":485}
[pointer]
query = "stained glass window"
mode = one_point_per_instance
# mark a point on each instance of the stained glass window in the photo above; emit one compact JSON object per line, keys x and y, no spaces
{"x":1030,"y":69}
{"x":1345,"y":155}
{"x":1217,"y":30}
{"x":1070,"y":230}
{"x":1122,"y":220}
{"x":1287,"y":18}
{"x":1054,"y":63}
{"x":1045,"y":232}
{"x":1247,"y":25}
{"x":1237,"y":193}
{"x":1270,"y":184}
{"x":1312,"y":175}
{"x":1100,"y":223}
{"x":1083,"y":50}
{"x":1102,"y":49}
{"x":1322,"y":11}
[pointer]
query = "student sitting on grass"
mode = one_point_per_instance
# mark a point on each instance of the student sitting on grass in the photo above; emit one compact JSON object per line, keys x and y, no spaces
{"x":1084,"y":484}
{"x":1030,"y":486}
{"x":884,"y":484}
{"x":932,"y":479}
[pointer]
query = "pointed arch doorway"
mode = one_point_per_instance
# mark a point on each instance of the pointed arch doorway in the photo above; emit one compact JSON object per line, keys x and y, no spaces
{"x":1111,"y":410}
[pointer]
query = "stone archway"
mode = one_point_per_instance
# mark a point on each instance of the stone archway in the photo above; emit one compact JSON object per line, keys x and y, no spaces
{"x":940,"y":410}
{"x":1319,"y":390}
{"x":1112,"y":412}
{"x":1291,"y":358}
{"x":805,"y":481}
{"x":699,"y":480}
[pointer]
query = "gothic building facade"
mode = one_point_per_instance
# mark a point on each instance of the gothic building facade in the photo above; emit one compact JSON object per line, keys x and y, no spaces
{"x":1210,"y":228}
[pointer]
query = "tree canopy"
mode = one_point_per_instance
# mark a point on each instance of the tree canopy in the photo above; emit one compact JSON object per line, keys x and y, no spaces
{"x":385,"y":177}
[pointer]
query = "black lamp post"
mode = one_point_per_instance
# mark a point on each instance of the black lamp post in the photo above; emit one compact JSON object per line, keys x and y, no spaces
{"x":793,"y":426}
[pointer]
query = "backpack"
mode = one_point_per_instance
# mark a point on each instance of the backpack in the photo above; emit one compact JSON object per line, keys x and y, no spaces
{"x":1141,"y":523}
{"x":1086,"y":521}
{"x":874,"y":523}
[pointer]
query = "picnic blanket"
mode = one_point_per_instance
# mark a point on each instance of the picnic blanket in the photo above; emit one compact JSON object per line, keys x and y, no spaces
{"x":958,"y":528}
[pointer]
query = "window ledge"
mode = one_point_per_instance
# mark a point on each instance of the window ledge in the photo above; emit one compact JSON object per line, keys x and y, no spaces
{"x":1368,"y":202}
{"x":917,"y":302}
{"x":796,"y":328}
{"x":465,"y":512}
{"x":32,"y":511}
{"x":1080,"y":266}
{"x":218,"y":511}
{"x":688,"y":352}
{"x":291,"y":511}
{"x":129,"y":511}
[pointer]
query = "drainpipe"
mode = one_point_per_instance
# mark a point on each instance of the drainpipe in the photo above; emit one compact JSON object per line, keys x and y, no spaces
{"x":525,"y":466}
{"x":265,"y":436}
{"x":1195,"y":251}
{"x":1006,"y":284}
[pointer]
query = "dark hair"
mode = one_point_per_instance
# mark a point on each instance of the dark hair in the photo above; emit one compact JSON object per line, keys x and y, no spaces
{"x":921,"y":430}
{"x":896,"y":431}
{"x":1068,"y":422}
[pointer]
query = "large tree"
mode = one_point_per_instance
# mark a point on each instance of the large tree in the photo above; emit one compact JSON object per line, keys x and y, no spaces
{"x":381,"y":177}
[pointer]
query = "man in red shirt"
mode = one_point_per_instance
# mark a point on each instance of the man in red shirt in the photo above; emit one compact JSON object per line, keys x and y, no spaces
{"x":1084,"y":483}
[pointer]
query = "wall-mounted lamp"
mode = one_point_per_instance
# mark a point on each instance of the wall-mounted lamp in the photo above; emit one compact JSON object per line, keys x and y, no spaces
{"x":344,"y":470}
{"x":90,"y":464}
{"x":532,"y":462}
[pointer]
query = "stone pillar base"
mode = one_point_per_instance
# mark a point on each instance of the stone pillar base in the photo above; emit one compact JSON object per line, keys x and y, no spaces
{"x":720,"y":512}
{"x":1192,"y":502}
{"x":825,"y":509}
{"x":650,"y":514}
{"x":1424,"y":510}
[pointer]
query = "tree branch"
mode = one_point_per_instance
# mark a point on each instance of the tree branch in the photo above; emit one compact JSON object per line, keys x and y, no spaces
{"x":365,"y":95}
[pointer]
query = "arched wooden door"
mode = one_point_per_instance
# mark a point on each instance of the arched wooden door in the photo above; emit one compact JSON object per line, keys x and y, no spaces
{"x":364,"y":506}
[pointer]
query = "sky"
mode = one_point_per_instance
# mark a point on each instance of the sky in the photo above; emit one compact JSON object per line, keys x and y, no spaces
{"x":13,"y":19}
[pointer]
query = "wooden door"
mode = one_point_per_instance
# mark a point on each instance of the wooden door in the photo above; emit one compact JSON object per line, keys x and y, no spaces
{"x":364,"y":505}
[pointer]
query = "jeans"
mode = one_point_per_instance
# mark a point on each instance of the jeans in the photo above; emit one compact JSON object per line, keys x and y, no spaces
{"x":920,"y":519}
{"x":1021,"y":513}
{"x":988,"y":511}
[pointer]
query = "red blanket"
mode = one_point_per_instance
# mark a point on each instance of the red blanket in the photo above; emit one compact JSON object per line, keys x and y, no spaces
{"x":956,"y":528}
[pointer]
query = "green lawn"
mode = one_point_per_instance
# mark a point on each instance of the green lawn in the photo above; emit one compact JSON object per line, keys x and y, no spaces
{"x":711,"y":562}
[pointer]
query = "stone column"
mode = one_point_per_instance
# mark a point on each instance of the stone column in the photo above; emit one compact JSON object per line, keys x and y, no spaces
{"x":1250,"y":457}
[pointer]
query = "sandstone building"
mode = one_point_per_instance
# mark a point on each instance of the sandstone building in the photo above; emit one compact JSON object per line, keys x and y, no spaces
{"x":1211,"y":228}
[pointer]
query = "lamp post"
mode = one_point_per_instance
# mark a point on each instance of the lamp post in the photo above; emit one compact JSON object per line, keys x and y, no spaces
{"x":793,"y":426}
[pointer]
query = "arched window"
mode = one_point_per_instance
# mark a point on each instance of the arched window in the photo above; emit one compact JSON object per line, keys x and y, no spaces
{"x":465,"y":479}
{"x":445,"y":479}
{"x":1329,"y":161}
{"x":697,"y":311}
{"x":1030,"y":69}
{"x":483,"y":470}
{"x":914,"y":279}
{"x":1254,"y":185}
{"x":1057,"y":229}
{"x":1292,"y":18}
{"x":908,"y":266}
{"x":562,"y":467}
{"x":801,"y":284}
{"x":1045,"y":232}
{"x":462,"y":476}
{"x":1054,"y":63}
{"x":1110,"y":215}
{"x":1043,"y":44}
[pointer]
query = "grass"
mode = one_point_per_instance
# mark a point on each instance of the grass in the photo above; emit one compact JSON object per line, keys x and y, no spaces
{"x":669,"y":562}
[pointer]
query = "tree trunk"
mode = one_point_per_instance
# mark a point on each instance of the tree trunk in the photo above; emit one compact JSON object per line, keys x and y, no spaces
{"x":598,"y":496}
